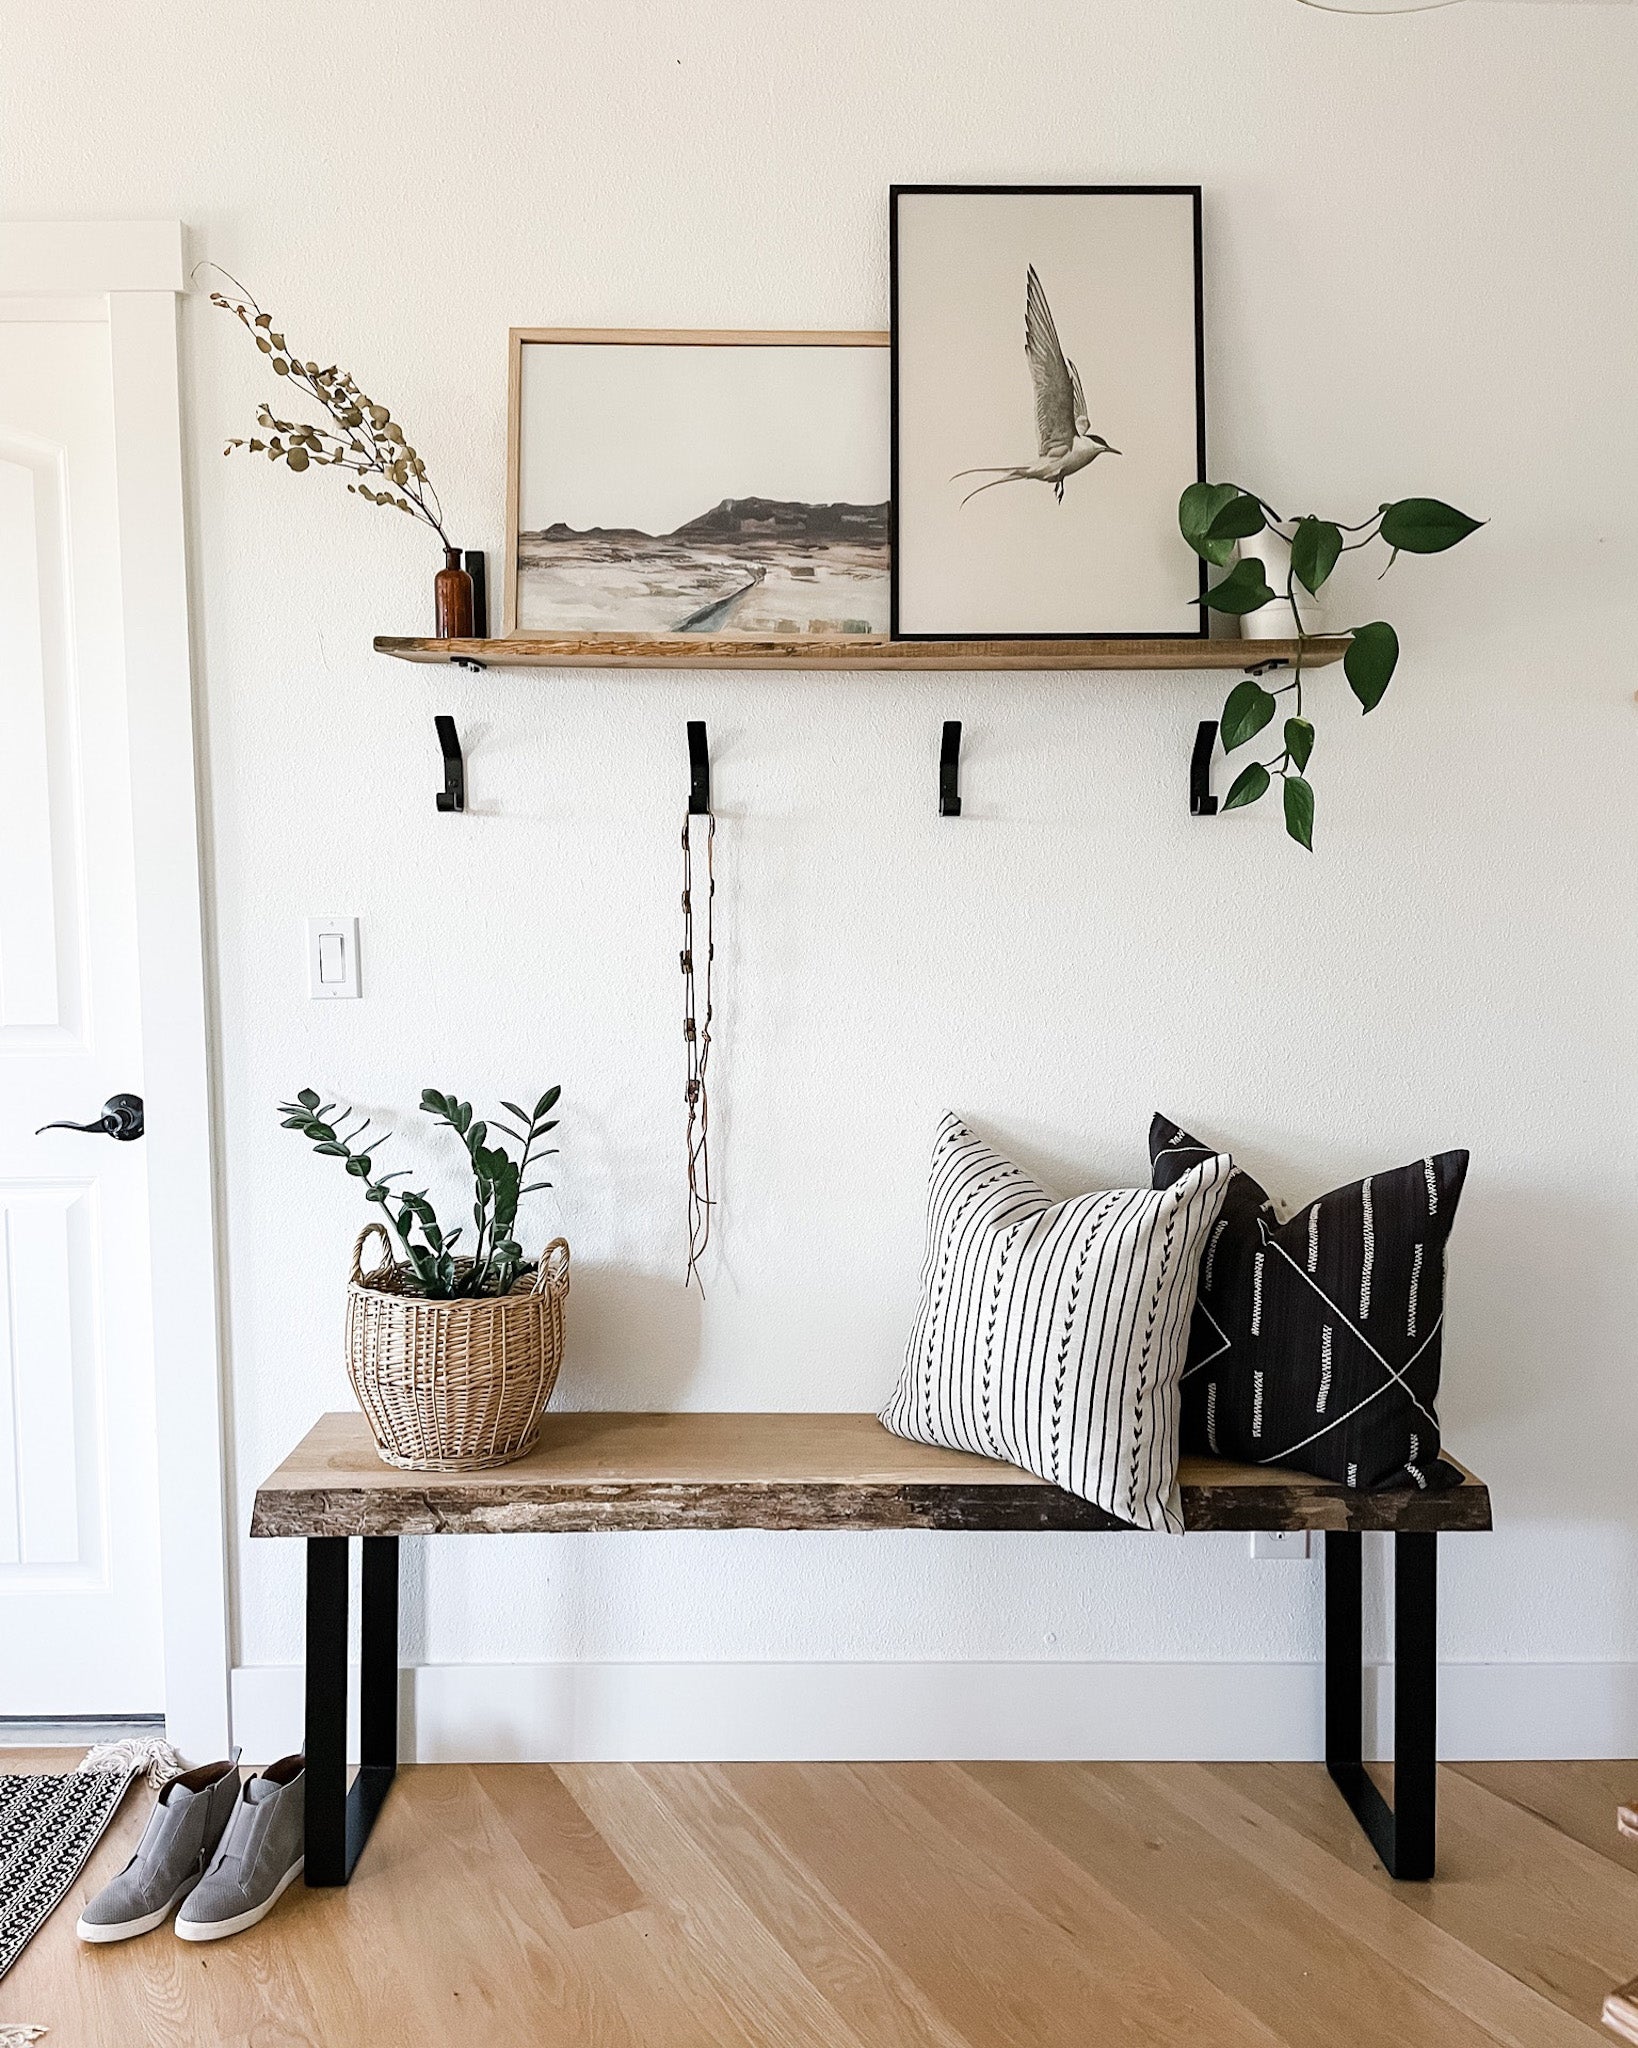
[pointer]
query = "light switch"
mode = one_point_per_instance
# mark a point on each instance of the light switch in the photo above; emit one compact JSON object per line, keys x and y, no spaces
{"x":332,"y":957}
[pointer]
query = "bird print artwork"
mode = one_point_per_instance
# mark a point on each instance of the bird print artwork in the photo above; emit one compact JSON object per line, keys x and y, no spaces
{"x":1068,"y":444}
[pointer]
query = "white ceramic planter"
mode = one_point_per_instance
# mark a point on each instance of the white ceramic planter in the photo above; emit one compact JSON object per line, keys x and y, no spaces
{"x":1275,"y":621}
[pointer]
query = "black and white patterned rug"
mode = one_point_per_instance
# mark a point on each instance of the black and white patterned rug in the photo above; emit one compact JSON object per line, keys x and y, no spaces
{"x":50,"y":1824}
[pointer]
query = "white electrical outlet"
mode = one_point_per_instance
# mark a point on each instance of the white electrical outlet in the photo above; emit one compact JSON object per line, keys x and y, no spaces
{"x":1292,"y":1543}
{"x":332,"y":958}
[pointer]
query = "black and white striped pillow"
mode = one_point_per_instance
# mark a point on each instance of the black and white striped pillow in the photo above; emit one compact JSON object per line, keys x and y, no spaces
{"x":1316,"y":1342}
{"x":1052,"y":1334}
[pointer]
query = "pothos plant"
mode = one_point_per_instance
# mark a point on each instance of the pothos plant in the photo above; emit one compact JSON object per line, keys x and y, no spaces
{"x":499,"y":1184}
{"x":1214,"y":518}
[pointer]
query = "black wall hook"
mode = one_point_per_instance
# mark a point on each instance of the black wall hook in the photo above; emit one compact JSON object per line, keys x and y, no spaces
{"x":452,"y":797}
{"x":1202,"y":804}
{"x":949,"y":770}
{"x":699,"y":770}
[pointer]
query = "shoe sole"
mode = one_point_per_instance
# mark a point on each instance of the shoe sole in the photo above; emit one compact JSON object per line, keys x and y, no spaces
{"x":145,"y":1923}
{"x":219,"y":1930}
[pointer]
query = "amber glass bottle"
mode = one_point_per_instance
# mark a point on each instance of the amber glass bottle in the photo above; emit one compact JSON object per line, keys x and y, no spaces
{"x":452,"y":598}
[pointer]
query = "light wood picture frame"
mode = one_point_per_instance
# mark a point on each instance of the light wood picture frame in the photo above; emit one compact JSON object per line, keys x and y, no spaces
{"x":669,"y":488}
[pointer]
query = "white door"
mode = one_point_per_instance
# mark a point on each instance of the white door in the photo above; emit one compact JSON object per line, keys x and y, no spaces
{"x":80,"y":1625}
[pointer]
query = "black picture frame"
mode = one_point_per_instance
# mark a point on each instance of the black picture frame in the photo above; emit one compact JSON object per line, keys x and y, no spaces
{"x":1202,"y":628}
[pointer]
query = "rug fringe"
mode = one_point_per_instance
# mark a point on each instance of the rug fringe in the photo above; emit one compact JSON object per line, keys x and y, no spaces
{"x":154,"y":1759}
{"x":20,"y":2037}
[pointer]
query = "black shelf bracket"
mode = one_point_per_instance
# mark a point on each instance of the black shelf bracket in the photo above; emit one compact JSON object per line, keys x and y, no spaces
{"x":699,"y":769}
{"x":452,"y":797}
{"x":1262,"y":668}
{"x":949,"y":770}
{"x":1202,"y":804}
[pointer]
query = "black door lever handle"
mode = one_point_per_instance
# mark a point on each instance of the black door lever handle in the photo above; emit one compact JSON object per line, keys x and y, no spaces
{"x":121,"y":1118}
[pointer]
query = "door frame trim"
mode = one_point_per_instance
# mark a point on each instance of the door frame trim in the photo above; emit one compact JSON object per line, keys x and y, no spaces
{"x":138,"y":267}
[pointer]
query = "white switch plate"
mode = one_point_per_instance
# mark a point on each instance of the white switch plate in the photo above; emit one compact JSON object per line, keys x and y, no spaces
{"x":1292,"y":1543}
{"x":332,"y":958}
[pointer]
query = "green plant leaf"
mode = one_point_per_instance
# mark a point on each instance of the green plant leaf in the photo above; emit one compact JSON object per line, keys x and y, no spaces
{"x":1248,"y":710}
{"x":1238,"y":519}
{"x":1315,"y":546}
{"x":308,"y":1098}
{"x":546,"y":1102}
{"x":1249,"y":784}
{"x":1372,"y":656}
{"x":1299,"y":741}
{"x":1241,"y":590}
{"x":1196,"y":509}
{"x":1424,"y":526}
{"x":1299,"y":811}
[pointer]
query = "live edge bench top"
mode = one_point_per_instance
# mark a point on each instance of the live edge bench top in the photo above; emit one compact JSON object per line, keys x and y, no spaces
{"x":774,"y":1471}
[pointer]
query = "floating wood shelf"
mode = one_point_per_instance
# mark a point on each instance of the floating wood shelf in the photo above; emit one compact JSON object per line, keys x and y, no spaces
{"x":849,"y":651}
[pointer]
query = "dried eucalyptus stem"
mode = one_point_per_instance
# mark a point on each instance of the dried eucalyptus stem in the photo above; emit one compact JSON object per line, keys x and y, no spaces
{"x":365,"y":439}
{"x":697,"y":1039}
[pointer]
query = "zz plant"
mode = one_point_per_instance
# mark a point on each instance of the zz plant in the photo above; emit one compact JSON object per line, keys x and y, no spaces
{"x":498,"y":1182}
{"x":1214,"y":518}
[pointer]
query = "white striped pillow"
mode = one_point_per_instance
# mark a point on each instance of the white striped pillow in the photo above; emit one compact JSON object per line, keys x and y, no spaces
{"x":1053,"y":1334}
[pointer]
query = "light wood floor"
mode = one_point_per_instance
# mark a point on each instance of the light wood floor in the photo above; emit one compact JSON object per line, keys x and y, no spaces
{"x":874,"y":1905}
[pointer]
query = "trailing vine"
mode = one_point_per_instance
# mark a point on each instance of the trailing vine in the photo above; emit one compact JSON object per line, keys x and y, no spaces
{"x":1214,"y":519}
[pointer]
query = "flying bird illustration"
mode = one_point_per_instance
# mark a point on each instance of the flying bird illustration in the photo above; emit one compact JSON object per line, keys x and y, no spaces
{"x":1067,"y":440}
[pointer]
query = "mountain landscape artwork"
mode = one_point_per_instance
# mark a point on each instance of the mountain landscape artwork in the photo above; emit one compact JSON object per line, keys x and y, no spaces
{"x":701,"y":486}
{"x":749,"y":565}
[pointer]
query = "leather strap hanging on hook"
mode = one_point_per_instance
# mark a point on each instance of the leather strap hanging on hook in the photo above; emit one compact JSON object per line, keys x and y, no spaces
{"x":698,"y":953}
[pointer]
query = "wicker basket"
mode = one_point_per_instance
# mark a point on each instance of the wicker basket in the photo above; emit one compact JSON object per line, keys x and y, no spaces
{"x":454,"y":1386}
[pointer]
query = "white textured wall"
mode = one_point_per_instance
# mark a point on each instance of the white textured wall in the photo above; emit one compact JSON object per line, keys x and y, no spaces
{"x":1420,"y":254}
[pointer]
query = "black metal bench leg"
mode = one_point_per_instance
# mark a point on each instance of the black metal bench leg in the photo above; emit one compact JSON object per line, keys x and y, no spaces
{"x":326,"y":1802}
{"x":338,"y":1821}
{"x":1403,"y":1834}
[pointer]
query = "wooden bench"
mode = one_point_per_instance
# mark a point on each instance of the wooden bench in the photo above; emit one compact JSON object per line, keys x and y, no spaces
{"x":760,"y":1471}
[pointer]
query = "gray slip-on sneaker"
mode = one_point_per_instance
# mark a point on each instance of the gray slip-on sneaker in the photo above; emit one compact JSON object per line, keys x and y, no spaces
{"x":177,"y":1846}
{"x":260,"y":1856}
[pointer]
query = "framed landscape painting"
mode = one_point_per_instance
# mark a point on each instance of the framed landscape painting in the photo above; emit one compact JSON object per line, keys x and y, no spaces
{"x":667,"y":486}
{"x":1048,"y":398}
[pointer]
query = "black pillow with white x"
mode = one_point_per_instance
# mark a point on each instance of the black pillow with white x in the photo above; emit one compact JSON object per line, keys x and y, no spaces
{"x":1315,"y":1343}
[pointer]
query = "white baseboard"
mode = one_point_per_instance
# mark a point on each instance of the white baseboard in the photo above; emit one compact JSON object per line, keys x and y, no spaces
{"x":590,"y":1713}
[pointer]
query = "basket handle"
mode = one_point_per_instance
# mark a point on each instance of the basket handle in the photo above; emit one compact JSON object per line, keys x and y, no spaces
{"x":552,"y":1274}
{"x":380,"y":1229}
